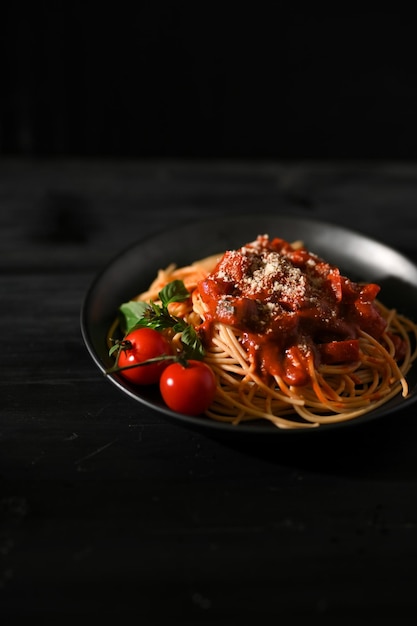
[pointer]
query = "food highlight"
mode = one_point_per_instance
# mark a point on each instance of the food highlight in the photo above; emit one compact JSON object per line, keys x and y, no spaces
{"x":269,"y":331}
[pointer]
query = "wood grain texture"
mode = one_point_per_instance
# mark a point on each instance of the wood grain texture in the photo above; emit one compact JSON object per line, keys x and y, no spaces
{"x":108,"y":508}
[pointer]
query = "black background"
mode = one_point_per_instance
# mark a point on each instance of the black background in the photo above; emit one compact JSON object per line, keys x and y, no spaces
{"x":186,"y":80}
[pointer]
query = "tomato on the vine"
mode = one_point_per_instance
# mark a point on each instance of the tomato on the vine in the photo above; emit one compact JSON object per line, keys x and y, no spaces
{"x":138,"y":346}
{"x":188,"y":388}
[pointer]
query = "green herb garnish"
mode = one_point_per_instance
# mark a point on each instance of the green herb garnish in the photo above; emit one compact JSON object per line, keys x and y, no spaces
{"x":136,"y":314}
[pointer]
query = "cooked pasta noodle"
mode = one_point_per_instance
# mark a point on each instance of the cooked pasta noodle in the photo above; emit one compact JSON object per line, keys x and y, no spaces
{"x":289,"y":339}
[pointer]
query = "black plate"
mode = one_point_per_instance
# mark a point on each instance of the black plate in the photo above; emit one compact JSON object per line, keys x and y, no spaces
{"x":358,"y":257}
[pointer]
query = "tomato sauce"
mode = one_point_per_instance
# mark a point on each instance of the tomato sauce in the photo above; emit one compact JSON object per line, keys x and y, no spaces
{"x":290,"y":307}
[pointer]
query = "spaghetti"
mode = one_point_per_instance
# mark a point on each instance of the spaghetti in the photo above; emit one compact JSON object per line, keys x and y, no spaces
{"x":289,"y":338}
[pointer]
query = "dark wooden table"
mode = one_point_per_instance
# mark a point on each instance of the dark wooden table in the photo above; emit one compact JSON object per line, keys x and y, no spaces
{"x":109,"y":509}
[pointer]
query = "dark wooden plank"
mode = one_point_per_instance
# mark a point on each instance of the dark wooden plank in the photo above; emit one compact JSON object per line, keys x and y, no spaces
{"x":107,"y":507}
{"x":64,"y":215}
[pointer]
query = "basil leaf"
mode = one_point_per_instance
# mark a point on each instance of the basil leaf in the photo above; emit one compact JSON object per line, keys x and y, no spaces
{"x":174,"y":291}
{"x":192,"y":344}
{"x":132,"y":313}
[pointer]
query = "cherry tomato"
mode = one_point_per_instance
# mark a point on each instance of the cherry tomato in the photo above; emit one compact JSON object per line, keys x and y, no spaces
{"x":142,"y":344}
{"x":189,"y":388}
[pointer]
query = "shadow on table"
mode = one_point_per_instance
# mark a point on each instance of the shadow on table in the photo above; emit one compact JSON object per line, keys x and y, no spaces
{"x":378,"y":449}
